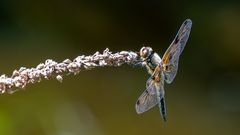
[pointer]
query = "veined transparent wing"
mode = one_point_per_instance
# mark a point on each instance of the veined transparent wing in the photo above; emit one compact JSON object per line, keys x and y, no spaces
{"x":148,"y":99}
{"x":171,"y":57}
{"x":153,"y":95}
{"x":150,"y":82}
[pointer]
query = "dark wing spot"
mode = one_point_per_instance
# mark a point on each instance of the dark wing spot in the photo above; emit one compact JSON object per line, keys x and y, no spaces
{"x":147,"y":92}
{"x":138,"y":102}
{"x":166,"y":67}
{"x":176,"y":39}
{"x":185,"y":23}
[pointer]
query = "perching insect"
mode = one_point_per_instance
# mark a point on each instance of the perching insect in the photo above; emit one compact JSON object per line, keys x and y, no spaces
{"x":161,"y":70}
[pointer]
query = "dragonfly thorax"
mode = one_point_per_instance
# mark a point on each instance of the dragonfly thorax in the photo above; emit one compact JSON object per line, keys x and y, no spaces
{"x":154,"y":60}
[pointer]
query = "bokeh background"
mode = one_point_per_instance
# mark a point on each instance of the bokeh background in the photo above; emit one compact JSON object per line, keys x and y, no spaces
{"x":204,"y":98}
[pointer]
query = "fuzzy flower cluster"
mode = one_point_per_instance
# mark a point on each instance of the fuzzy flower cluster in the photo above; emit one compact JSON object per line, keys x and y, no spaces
{"x":52,"y":69}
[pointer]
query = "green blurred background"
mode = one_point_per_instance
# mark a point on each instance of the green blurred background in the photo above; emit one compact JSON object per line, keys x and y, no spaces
{"x":204,"y":98}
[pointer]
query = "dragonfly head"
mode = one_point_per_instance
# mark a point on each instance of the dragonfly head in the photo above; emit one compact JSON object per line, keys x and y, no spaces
{"x":145,"y":52}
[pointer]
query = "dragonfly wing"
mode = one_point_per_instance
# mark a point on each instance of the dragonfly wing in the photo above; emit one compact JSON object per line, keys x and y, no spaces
{"x":171,"y":57}
{"x":150,"y":82}
{"x":148,"y":99}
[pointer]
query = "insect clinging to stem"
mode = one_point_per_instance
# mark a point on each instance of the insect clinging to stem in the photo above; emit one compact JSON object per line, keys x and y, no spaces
{"x":161,"y":70}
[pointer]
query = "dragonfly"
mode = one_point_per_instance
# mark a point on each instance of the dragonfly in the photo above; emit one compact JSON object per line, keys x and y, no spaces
{"x":161,"y":70}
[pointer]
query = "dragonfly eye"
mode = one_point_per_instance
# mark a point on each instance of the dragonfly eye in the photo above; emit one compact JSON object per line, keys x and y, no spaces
{"x":145,"y":52}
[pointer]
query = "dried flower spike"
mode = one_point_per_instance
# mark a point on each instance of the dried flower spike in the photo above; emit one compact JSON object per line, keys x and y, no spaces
{"x":52,"y":69}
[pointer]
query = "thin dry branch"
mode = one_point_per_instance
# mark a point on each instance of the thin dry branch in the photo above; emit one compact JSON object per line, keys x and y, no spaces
{"x":51,"y":69}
